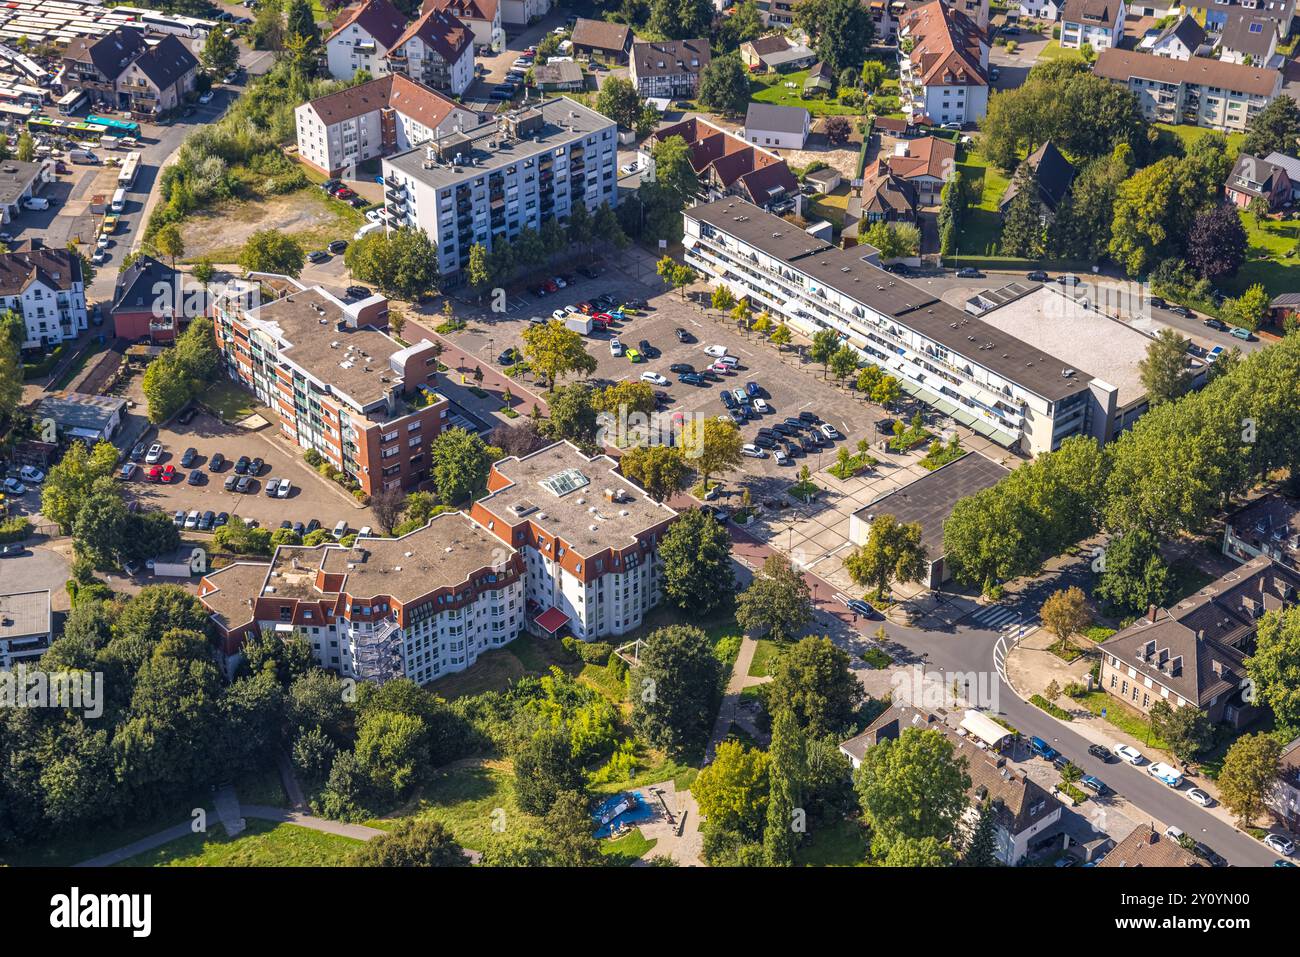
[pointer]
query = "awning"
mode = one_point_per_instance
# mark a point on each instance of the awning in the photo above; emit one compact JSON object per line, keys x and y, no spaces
{"x":985,"y":728}
{"x":552,"y":620}
{"x":971,"y":421}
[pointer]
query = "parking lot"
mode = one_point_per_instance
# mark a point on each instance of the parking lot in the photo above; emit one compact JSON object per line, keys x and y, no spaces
{"x":311,"y":495}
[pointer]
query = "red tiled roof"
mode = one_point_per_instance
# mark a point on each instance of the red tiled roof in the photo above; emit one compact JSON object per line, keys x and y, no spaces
{"x":379,"y":18}
{"x":552,"y":620}
{"x":441,"y":31}
{"x":946,"y":46}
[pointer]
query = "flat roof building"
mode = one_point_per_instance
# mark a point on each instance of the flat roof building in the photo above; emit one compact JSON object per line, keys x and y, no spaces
{"x":24,"y":626}
{"x":82,"y":416}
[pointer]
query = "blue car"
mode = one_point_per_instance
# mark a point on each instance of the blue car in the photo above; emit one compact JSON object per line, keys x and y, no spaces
{"x":751,"y":389}
{"x":1093,"y":784}
{"x":1043,"y":749}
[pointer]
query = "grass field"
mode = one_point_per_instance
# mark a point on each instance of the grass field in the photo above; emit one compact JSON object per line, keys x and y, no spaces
{"x":771,"y":88}
{"x":498,"y":670}
{"x":981,"y":227}
{"x":1185,"y":136}
{"x":765,"y":658}
{"x":1127,"y":719}
{"x":1052,"y":50}
{"x":263,"y":844}
{"x":307,"y":216}
{"x":229,"y":401}
{"x":838,"y":845}
{"x":628,"y":849}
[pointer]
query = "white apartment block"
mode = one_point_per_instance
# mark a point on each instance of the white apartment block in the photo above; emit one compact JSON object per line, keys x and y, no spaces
{"x":483,"y":17}
{"x":362,"y":41}
{"x":437,"y":50}
{"x":519,"y":13}
{"x":990,"y":381}
{"x":1098,"y":23}
{"x":384,"y":116}
{"x":532,"y":164}
{"x":45,"y":287}
{"x":943,"y":74}
{"x":1200,"y":91}
{"x":25,"y":627}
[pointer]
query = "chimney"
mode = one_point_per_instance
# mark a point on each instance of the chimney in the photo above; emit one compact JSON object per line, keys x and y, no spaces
{"x":1151,"y":613}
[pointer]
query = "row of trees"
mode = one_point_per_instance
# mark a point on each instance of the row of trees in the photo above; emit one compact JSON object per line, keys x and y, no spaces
{"x":180,"y":373}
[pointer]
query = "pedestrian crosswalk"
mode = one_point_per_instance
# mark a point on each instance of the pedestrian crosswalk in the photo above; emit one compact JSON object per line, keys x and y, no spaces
{"x":1003,"y":618}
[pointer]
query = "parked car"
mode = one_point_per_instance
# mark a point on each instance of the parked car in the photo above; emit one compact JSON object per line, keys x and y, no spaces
{"x":243,"y":485}
{"x":510,"y":357}
{"x":222,"y":519}
{"x":216,"y":461}
{"x":358,"y":292}
{"x":272,"y":487}
{"x":128,"y":471}
{"x":1282,"y":845}
{"x":1200,"y":797}
{"x":1100,"y":752}
{"x":340,"y":528}
{"x":14,"y":487}
{"x":761,"y":406}
{"x":138,"y":452}
{"x":1212,"y":323}
{"x":284,"y":489}
{"x":969,"y":272}
{"x":241,"y":465}
{"x":679,"y":367}
{"x":615,"y":347}
{"x":338,"y":246}
{"x":753,"y":451}
{"x":188,"y":457}
{"x":1245,"y":335}
{"x":864,"y":608}
{"x":168,"y":474}
{"x":317,"y":256}
{"x":195,"y":477}
{"x":231,"y":481}
{"x":691,"y":378}
{"x":255,"y":467}
{"x":192,"y":519}
{"x":1037,"y":276}
{"x":1182,"y":311}
{"x":810,"y":417}
{"x":1043,"y":749}
{"x":155,"y":454}
{"x":30,"y":473}
{"x":1165,"y":773}
{"x":715,"y":351}
{"x":829,"y":431}
{"x":179,"y":518}
{"x":653,"y":377}
{"x":1211,"y":856}
{"x":205,"y":522}
{"x":1130,"y":754}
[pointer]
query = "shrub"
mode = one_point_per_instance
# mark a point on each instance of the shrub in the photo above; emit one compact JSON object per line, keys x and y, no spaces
{"x":591,"y":652}
{"x":15,"y":529}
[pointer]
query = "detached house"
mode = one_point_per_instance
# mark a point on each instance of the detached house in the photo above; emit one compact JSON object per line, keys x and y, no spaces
{"x":362,"y":39}
{"x":598,"y":38}
{"x":926,"y":163}
{"x":669,"y":69}
{"x":777,"y":127}
{"x":1180,"y":40}
{"x":1098,"y":23}
{"x":1147,"y":847}
{"x":1023,"y":812}
{"x":1055,"y":175}
{"x":483,"y":17}
{"x":151,"y":303}
{"x":122,"y":71}
{"x":944,"y":77}
{"x":44,"y":287}
{"x":1194,"y":653}
{"x":437,"y":50}
{"x":1248,"y":39}
{"x":93,"y":65}
{"x":727,"y":165}
{"x":1253,"y":178}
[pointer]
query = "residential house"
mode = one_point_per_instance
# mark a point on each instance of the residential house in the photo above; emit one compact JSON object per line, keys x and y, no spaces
{"x":728,"y":165}
{"x":1291,"y":166}
{"x":885,"y":15}
{"x":1215,"y":14}
{"x":20,"y":181}
{"x":558,"y":76}
{"x":670,"y":68}
{"x":943,"y":75}
{"x":600,"y":39}
{"x":45,"y":288}
{"x":1180,"y":40}
{"x":1284,"y":308}
{"x":338,"y":131}
{"x":93,"y":64}
{"x":776,"y":52}
{"x":1199,"y":91}
{"x":437,"y":50}
{"x":159,"y":79}
{"x":483,"y":17}
{"x":1055,"y":175}
{"x":1042,"y":9}
{"x":152,"y":303}
{"x":1023,"y":812}
{"x":1147,"y":847}
{"x":1249,"y":39}
{"x":820,"y":79}
{"x":520,"y":13}
{"x":362,"y":38}
{"x":777,"y":127}
{"x":25,"y":627}
{"x":1194,"y":653}
{"x":1284,"y":797}
{"x":1253,"y":178}
{"x":926,"y":163}
{"x":1098,"y":23}
{"x":928,"y":501}
{"x":886,"y":197}
{"x":1268,"y":527}
{"x":780,"y":13}
{"x":977,"y":11}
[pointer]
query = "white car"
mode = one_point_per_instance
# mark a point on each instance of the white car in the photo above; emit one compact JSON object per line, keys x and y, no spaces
{"x":1280,"y":844}
{"x":14,"y":487}
{"x":206,"y":98}
{"x":559,"y":283}
{"x":99,"y":257}
{"x":29,"y":473}
{"x":374,"y":215}
{"x":192,"y":520}
{"x":102,"y":242}
{"x":828,"y":430}
{"x":753,"y":451}
{"x":1165,"y":773}
{"x":1173,"y":833}
{"x":559,"y":315}
{"x":615,"y":347}
{"x":364,"y":531}
{"x":1200,"y":797}
{"x":716,"y":352}
{"x":341,"y":528}
{"x":1126,"y":753}
{"x":760,"y":405}
{"x":154,"y":454}
{"x":36,"y":203}
{"x":285,"y":488}
{"x":628,"y":169}
{"x":654,"y":378}
{"x":781,"y":457}
{"x":729,"y":361}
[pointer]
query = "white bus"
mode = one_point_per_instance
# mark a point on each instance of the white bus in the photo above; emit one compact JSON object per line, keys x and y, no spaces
{"x":71,"y":102}
{"x":130,"y":166}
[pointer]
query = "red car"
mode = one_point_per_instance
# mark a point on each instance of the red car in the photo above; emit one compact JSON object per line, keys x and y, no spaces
{"x":344,"y":193}
{"x":551,"y":286}
{"x":586,"y":308}
{"x":603,"y":319}
{"x":154,"y":474}
{"x":168,"y":474}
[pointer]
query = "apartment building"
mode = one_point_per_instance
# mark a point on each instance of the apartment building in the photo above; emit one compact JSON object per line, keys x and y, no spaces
{"x":587,"y":536}
{"x":1024,"y":814}
{"x":1194,"y":653}
{"x":483,"y":17}
{"x":337,"y":381}
{"x":419,"y":607}
{"x":1268,"y":527}
{"x":45,"y":287}
{"x":122,"y":70}
{"x":669,"y":68}
{"x":361,"y":41}
{"x":437,"y":50}
{"x":1002,"y":387}
{"x":1215,"y":14}
{"x":25,"y":627}
{"x":1200,"y":91}
{"x":384,"y":116}
{"x":1097,"y":23}
{"x":943,"y":61}
{"x":473,"y":187}
{"x":727,"y":165}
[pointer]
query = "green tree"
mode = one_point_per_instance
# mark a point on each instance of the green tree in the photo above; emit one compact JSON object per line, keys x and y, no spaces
{"x":812,"y":679}
{"x":665,"y":194}
{"x":100,"y":523}
{"x":573,"y":416}
{"x":556,"y":351}
{"x":825,"y":342}
{"x":1250,"y":771}
{"x":659,"y":469}
{"x":893,"y":551}
{"x":1249,"y":309}
{"x":269,"y":250}
{"x":416,"y":842}
{"x":568,"y":831}
{"x":402,"y":263}
{"x":712,"y":447}
{"x":781,"y":336}
{"x":1065,"y":612}
{"x":923,"y":852}
{"x":675,"y":687}
{"x":26,"y":147}
{"x":786,"y":771}
{"x":681,"y":19}
{"x":544,"y":769}
{"x":169,"y":242}
{"x":732,"y":792}
{"x":478,"y":271}
{"x":1187,"y":730}
{"x":981,"y":846}
{"x":894,"y":240}
{"x":1164,"y":371}
{"x":722,"y":298}
{"x":1134,"y":576}
{"x":776,"y":603}
{"x":952,"y":206}
{"x":1274,"y":668}
{"x":696,"y":556}
{"x":220,"y":55}
{"x":842,"y":30}
{"x":70,"y":482}
{"x":619,"y":101}
{"x":1273,"y":129}
{"x":459,"y":462}
{"x":844,"y":362}
{"x":911,"y":788}
{"x":1022,"y":224}
{"x":724,"y":85}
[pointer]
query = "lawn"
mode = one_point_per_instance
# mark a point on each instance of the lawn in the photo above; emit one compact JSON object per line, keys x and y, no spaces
{"x":262,"y":844}
{"x":837,"y":845}
{"x":1052,"y":50}
{"x":1267,"y":259}
{"x":628,"y":849}
{"x":1184,"y":136}
{"x":229,"y":401}
{"x":1127,"y":719}
{"x":771,"y":88}
{"x":498,"y":670}
{"x":981,"y":225}
{"x":765,"y":658}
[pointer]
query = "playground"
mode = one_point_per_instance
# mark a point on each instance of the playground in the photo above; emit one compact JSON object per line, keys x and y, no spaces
{"x":663,"y":814}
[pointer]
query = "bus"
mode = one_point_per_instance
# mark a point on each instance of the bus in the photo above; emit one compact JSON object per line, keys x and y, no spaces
{"x":12,"y":113}
{"x":155,"y":22}
{"x":85,"y":131}
{"x":71,"y":102}
{"x":130,"y":166}
{"x":115,"y":127}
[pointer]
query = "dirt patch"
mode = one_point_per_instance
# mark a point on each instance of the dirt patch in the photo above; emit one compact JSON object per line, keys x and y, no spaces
{"x":220,"y":232}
